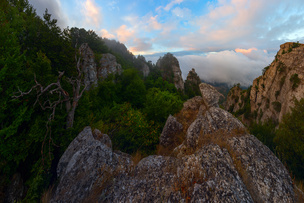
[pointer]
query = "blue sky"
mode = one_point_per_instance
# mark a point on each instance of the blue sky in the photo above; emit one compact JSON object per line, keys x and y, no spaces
{"x":224,"y":40}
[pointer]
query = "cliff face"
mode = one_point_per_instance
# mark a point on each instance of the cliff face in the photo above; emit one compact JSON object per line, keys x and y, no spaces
{"x":170,"y":70}
{"x":217,"y":162}
{"x":272,"y":94}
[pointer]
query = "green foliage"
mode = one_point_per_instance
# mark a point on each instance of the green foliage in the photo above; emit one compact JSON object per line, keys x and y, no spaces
{"x":277,"y":106}
{"x":81,"y":36}
{"x":282,"y":81}
{"x":265,"y":132}
{"x":277,"y":93}
{"x":160,"y":104}
{"x":281,"y":67}
{"x":265,"y":69}
{"x":290,"y":139}
{"x":295,"y":81}
{"x":129,"y":129}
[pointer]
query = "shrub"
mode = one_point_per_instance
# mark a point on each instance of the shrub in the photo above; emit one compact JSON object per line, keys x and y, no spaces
{"x":290,"y":139}
{"x":277,"y":106}
{"x":295,"y":81}
{"x":265,"y":69}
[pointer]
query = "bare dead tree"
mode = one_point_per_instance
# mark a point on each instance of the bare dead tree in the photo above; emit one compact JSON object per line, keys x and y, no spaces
{"x":44,"y":94}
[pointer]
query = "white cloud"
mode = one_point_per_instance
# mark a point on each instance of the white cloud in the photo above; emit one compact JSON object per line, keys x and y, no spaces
{"x":92,"y":13}
{"x":105,"y":33}
{"x":226,"y":66}
{"x":170,"y":5}
{"x":54,"y":7}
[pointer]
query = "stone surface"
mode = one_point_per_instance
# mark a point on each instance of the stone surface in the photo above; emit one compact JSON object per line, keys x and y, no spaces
{"x":170,"y":130}
{"x":227,"y":166}
{"x":210,"y":95}
{"x":88,"y":65}
{"x":269,"y":180}
{"x":272,"y":93}
{"x":80,"y":167}
{"x":103,"y":138}
{"x":108,"y":65}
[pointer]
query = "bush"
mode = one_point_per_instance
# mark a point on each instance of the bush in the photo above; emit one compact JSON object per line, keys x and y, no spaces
{"x":265,"y":133}
{"x":277,"y":106}
{"x":290,"y":139}
{"x":295,"y":81}
{"x":160,"y":104}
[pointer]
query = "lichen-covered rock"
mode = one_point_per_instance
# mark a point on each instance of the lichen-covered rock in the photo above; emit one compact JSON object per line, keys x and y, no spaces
{"x":170,"y":130}
{"x":79,"y":169}
{"x":267,"y":177}
{"x":108,"y":65}
{"x":216,"y":163}
{"x":210,"y":95}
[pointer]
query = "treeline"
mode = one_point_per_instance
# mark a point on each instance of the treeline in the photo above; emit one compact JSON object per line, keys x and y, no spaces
{"x":38,"y":82}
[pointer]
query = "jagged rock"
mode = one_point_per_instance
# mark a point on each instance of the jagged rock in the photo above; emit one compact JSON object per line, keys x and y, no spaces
{"x":210,"y":95}
{"x":81,"y":167}
{"x":170,"y":70}
{"x":108,"y":65}
{"x":88,"y":65}
{"x":15,"y":190}
{"x":210,"y":121}
{"x":224,"y":164}
{"x":267,"y":178}
{"x":170,"y":130}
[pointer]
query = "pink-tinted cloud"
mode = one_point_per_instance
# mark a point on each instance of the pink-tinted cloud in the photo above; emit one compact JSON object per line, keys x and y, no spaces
{"x":105,"y":33}
{"x":245,"y":51}
{"x":124,"y":34}
{"x":92,"y":13}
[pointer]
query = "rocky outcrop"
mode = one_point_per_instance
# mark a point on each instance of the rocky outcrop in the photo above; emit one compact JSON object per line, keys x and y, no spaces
{"x":108,"y":65}
{"x":170,"y":70}
{"x":273,"y":93}
{"x":88,"y":65}
{"x":218,"y":161}
{"x":234,"y":99}
{"x":210,"y":95}
{"x":97,"y":71}
{"x":170,"y":130}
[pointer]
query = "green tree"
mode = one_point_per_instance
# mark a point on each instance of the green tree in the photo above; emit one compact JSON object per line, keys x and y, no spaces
{"x":290,"y":139}
{"x":160,"y":104}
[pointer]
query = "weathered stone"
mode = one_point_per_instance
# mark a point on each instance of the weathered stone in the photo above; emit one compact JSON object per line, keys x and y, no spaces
{"x":212,"y":120}
{"x":171,"y":129}
{"x":210,"y":95}
{"x":266,"y":175}
{"x":80,"y":167}
{"x":108,"y":65}
{"x":88,"y":65}
{"x":231,"y":166}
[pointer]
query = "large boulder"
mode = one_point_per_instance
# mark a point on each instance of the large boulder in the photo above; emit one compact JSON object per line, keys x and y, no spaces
{"x":81,"y":167}
{"x":217,"y":162}
{"x":170,"y":130}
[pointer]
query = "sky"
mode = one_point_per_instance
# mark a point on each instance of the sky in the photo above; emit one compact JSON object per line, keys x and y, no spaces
{"x":228,"y":41}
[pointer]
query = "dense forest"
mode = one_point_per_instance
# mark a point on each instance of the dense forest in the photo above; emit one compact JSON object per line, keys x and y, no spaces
{"x":44,"y":104}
